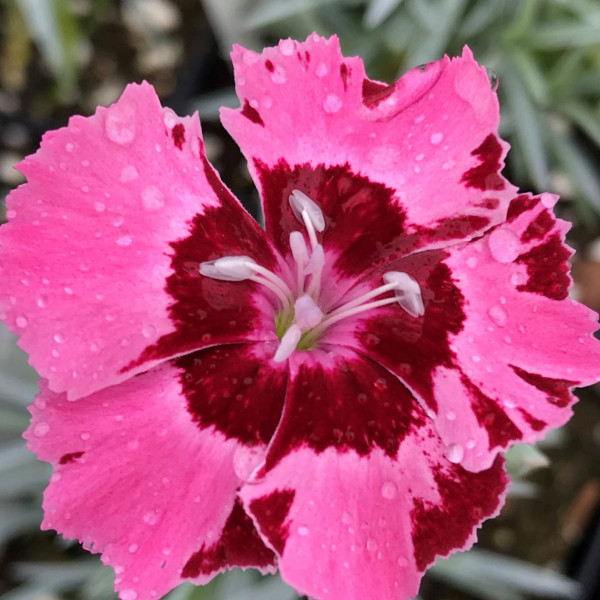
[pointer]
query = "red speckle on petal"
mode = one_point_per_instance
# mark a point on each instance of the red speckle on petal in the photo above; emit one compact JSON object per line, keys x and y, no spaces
{"x":251,"y":113}
{"x":558,"y":390}
{"x":374,"y":92}
{"x":269,"y":66}
{"x":539,"y":227}
{"x":239,"y":546}
{"x":547,"y":268}
{"x":519,"y":205}
{"x":237,"y":393}
{"x":534,"y":423}
{"x":178,"y":133}
{"x":344,"y":73}
{"x":501,"y":430}
{"x":485,"y":175}
{"x":69,"y":458}
{"x":464,"y":499}
{"x":271,"y":512}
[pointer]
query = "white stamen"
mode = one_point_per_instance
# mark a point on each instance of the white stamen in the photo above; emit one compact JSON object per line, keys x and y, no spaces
{"x":242,"y":268}
{"x":315,"y":268}
{"x":228,"y":268}
{"x":306,"y":313}
{"x":288,"y":343}
{"x":312,"y":236}
{"x":407,"y":291}
{"x":300,"y":202}
{"x":344,"y":314}
{"x":300,"y":254}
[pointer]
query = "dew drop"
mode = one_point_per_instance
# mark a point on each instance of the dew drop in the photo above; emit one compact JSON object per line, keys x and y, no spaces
{"x":455,"y":453}
{"x":372,"y":544}
{"x":70,"y":147}
{"x":436,"y":138}
{"x":85,"y":436}
{"x":402,"y":562}
{"x":68,"y":290}
{"x":124,"y":241}
{"x":287,"y":47}
{"x":151,"y":517}
{"x":99,"y":206}
{"x":55,"y":353}
{"x":148,"y":331}
{"x":245,"y":461}
{"x":504,"y":245}
{"x":449,"y":164}
{"x":41,"y":429}
{"x":321,"y":70}
{"x":471,"y":262}
{"x":94,"y":347}
{"x":498,"y":315}
{"x":128,"y":174}
{"x":169,"y":118}
{"x":388,"y":490}
{"x":59,"y":338}
{"x":451,"y":415}
{"x":470,"y":444}
{"x":133,"y":548}
{"x":332,"y":104}
{"x":21,"y":322}
{"x":419,"y":157}
{"x":118,"y":220}
{"x":119,"y":124}
{"x":128,"y":595}
{"x":85,"y":163}
{"x":493,"y":79}
{"x":518,"y":278}
{"x":303,"y":530}
{"x":152,"y":198}
{"x":279,"y":75}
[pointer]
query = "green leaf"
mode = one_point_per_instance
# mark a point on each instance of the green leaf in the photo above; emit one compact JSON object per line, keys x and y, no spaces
{"x":588,"y":120}
{"x":378,"y":11}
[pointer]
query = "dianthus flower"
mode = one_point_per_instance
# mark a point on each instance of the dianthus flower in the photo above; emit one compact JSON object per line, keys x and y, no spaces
{"x":328,"y":396}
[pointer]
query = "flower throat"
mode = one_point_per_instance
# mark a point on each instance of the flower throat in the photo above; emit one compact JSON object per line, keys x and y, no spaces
{"x":300,"y":323}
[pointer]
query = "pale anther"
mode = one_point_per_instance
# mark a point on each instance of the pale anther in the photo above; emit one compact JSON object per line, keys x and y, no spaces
{"x":407,"y":291}
{"x":229,"y":268}
{"x":300,"y":203}
{"x":288,"y":343}
{"x":298,"y":247}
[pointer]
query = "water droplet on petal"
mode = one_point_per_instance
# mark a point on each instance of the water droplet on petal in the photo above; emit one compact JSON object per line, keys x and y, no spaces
{"x":59,"y":338}
{"x":493,"y":78}
{"x":245,"y":461}
{"x":455,"y":453}
{"x":498,"y":315}
{"x":471,"y":262}
{"x":99,"y":206}
{"x":372,"y":544}
{"x":450,"y":415}
{"x":470,"y":444}
{"x":287,"y":47}
{"x":332,"y":104}
{"x":279,"y":75}
{"x":303,"y":530}
{"x":128,"y":174}
{"x":151,"y":517}
{"x":388,"y":490}
{"x":120,"y":124}
{"x":128,"y":595}
{"x":321,"y":70}
{"x":124,"y":241}
{"x":152,"y":198}
{"x":504,"y":245}
{"x":21,"y":322}
{"x":169,"y":118}
{"x":41,"y":429}
{"x":518,"y":278}
{"x":436,"y":138}
{"x":133,"y":548}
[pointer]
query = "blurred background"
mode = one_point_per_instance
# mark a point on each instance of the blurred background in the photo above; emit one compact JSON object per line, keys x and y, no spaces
{"x":60,"y":57}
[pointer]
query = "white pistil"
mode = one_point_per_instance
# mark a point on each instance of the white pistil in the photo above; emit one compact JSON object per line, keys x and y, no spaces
{"x":307,"y":314}
{"x":308,"y":212}
{"x":288,"y":343}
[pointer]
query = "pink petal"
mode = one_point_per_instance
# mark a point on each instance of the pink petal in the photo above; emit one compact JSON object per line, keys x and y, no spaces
{"x":357,"y":479}
{"x":100,"y":256}
{"x":394,"y":168}
{"x":147,"y":472}
{"x":500,"y":344}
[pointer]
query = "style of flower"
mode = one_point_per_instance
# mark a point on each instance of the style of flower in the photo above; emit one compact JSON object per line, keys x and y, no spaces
{"x":328,"y":397}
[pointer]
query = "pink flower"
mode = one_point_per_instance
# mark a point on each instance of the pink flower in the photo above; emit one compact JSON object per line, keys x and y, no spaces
{"x":328,"y":397}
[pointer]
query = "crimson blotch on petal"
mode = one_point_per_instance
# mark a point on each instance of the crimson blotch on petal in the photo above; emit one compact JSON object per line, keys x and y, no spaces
{"x":329,"y":396}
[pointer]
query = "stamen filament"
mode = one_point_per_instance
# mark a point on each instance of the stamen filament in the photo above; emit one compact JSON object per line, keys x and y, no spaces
{"x":286,"y":301}
{"x":333,"y":318}
{"x":312,"y":234}
{"x":277,"y":281}
{"x":382,"y":289}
